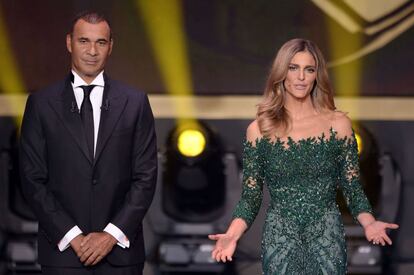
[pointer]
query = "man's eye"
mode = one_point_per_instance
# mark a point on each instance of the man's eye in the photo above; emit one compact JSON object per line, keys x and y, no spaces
{"x":102,"y":43}
{"x":82,"y":41}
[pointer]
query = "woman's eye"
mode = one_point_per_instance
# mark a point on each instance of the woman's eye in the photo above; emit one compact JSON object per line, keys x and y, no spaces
{"x":311,"y":70}
{"x":292,"y":68}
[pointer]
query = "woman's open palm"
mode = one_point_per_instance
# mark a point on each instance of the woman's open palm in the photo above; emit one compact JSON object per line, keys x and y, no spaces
{"x":224,"y":248}
{"x":376,"y":232}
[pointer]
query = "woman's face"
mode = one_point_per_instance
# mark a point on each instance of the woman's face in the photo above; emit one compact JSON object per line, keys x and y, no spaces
{"x":301,"y":75}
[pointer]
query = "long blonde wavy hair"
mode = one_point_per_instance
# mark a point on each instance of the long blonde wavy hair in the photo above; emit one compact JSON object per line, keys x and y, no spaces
{"x":272,"y":116}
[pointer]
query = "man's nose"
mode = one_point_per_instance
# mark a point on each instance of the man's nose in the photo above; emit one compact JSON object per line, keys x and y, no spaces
{"x":92,"y":49}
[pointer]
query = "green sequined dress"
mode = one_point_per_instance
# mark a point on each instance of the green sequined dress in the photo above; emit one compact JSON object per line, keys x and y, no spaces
{"x":303,"y":231}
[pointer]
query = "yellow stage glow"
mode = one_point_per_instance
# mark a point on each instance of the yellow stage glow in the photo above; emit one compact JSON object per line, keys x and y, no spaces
{"x":345,"y":37}
{"x":11,"y":81}
{"x":164,"y":23}
{"x":191,"y":143}
{"x":360,"y":143}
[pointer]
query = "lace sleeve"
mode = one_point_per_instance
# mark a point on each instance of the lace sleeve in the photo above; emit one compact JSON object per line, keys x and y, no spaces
{"x":350,"y":178}
{"x":252,"y":186}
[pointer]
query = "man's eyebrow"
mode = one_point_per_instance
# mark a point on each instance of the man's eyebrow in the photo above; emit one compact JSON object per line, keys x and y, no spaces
{"x":98,"y":40}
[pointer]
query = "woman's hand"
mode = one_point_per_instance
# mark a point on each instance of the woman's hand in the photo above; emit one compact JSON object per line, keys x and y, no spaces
{"x":225,"y":247}
{"x":375,"y":232}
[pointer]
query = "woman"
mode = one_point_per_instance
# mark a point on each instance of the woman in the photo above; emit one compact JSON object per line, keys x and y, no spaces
{"x":302,"y":149}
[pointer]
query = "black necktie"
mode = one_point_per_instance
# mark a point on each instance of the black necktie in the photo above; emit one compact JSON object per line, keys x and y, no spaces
{"x":86,"y":113}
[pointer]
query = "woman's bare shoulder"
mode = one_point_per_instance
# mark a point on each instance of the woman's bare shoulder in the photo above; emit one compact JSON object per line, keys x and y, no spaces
{"x":253,"y":132}
{"x":342,"y":124}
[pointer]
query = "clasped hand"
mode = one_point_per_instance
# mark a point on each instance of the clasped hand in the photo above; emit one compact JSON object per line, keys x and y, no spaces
{"x":91,"y":249}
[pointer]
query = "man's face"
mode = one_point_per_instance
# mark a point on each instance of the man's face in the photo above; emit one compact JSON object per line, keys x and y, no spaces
{"x":89,"y":45}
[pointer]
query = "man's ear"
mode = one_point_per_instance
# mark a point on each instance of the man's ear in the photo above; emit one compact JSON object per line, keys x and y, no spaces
{"x":69,"y":42}
{"x":111,"y":44}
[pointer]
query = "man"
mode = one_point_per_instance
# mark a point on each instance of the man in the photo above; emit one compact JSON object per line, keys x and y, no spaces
{"x":88,"y":162}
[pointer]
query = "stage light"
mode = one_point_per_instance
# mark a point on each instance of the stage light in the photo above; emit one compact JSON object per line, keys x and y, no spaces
{"x":195,"y":196}
{"x":165,"y":25}
{"x":191,"y":142}
{"x":194,"y":180}
{"x":11,"y":81}
{"x":360,"y":143}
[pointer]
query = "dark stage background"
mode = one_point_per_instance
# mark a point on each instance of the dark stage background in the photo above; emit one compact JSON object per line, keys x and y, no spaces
{"x":218,"y":48}
{"x":230,"y":44}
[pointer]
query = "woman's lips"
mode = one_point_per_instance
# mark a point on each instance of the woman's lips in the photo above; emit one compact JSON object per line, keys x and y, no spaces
{"x":300,"y":86}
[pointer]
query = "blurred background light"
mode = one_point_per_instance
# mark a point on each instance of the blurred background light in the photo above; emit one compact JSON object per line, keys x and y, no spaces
{"x":191,"y":142}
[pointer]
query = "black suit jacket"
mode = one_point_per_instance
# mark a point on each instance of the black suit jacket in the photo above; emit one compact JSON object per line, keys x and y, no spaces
{"x":65,"y":187}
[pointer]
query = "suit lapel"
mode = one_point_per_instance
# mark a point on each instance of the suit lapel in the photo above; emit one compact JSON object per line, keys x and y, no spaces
{"x":66,"y":108}
{"x":113,"y":103}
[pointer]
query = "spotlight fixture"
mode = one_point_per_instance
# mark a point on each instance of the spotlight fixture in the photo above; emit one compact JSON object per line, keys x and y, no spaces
{"x":194,"y":180}
{"x":191,"y":142}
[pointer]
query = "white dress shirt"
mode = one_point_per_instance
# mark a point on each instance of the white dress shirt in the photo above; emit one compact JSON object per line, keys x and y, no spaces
{"x":96,"y":100}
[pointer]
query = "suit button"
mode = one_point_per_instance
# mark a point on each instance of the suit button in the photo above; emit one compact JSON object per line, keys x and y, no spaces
{"x":94,"y":182}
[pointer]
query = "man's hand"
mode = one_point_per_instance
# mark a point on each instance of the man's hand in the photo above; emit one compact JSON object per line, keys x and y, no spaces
{"x":76,"y":244}
{"x":95,"y":246}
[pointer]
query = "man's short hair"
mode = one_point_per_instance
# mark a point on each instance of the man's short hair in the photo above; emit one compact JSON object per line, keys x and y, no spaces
{"x":91,"y":17}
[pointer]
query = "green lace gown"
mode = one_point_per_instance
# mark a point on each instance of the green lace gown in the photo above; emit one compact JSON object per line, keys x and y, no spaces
{"x":303,"y":231}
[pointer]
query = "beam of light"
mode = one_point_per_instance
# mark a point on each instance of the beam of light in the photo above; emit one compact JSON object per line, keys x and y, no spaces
{"x":342,"y":18}
{"x":11,"y":82}
{"x":164,"y":25}
{"x":348,"y":76}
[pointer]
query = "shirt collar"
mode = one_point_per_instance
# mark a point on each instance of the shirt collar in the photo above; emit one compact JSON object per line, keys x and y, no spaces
{"x":78,"y":81}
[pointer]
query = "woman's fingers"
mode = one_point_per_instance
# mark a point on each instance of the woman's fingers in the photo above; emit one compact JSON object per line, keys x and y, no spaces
{"x":392,"y":225}
{"x":383,"y":240}
{"x":214,"y":253}
{"x":218,"y":257}
{"x":219,"y":252}
{"x":223,"y":257}
{"x":387,"y":239}
{"x":214,"y":237}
